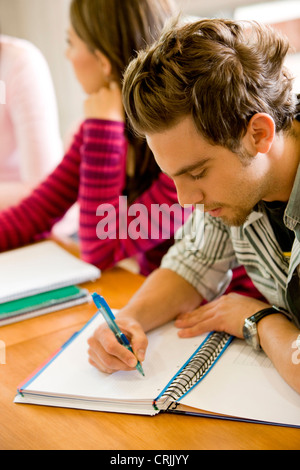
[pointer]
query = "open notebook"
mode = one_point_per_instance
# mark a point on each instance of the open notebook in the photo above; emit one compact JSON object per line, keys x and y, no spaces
{"x":39,"y":268}
{"x":202,"y":375}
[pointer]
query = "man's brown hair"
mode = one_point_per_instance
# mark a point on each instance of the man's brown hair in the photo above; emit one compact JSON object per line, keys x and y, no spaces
{"x":219,"y":71}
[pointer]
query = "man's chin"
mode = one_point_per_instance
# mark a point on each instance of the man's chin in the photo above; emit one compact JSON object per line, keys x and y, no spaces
{"x":235,"y":221}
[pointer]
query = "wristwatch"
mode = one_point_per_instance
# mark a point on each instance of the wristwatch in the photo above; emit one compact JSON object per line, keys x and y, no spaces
{"x":250,"y":326}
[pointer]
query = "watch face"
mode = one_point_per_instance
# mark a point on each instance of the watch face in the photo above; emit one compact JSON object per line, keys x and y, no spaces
{"x":250,"y":334}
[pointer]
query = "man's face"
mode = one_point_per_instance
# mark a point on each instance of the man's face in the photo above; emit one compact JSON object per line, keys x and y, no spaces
{"x":207,"y":174}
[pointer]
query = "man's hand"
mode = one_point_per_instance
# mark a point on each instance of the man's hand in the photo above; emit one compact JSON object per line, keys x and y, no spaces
{"x":227,"y":313}
{"x":163,"y":296}
{"x":107,"y":355}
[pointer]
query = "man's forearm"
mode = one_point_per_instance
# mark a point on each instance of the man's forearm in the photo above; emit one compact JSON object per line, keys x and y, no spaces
{"x":163,"y":296}
{"x":278,"y":336}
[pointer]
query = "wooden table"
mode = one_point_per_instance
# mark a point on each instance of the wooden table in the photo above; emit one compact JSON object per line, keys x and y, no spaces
{"x":26,"y":427}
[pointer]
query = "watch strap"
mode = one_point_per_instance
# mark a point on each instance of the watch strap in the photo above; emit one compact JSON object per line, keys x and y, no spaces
{"x":264,"y":312}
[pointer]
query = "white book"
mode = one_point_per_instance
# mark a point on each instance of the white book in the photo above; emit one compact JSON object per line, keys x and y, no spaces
{"x":212,"y":375}
{"x":41,"y":268}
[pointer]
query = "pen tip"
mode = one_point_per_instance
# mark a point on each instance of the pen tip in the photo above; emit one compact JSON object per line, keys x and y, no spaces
{"x":140,"y":369}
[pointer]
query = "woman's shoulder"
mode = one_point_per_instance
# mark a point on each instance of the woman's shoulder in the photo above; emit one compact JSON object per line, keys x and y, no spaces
{"x":20,"y":54}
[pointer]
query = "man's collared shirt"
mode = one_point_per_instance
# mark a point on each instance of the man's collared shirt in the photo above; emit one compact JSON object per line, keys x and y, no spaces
{"x":206,"y":261}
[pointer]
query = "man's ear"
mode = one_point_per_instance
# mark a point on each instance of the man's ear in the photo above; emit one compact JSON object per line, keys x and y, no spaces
{"x":260,"y":133}
{"x":105,"y":65}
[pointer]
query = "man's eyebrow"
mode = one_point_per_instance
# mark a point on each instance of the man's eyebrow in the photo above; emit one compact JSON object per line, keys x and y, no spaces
{"x":190,"y":168}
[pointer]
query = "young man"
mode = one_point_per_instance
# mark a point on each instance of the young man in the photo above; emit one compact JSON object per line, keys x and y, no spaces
{"x":216,"y":106}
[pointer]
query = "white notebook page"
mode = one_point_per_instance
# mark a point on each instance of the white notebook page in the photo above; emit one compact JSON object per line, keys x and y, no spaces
{"x":40,"y":268}
{"x":244,"y":383}
{"x":70,"y":374}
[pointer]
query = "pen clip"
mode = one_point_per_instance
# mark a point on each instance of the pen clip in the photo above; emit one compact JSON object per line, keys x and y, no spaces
{"x":103,"y":307}
{"x":101,"y":302}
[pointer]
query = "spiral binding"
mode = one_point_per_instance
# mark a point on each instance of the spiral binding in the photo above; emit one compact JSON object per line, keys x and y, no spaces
{"x":196,"y":368}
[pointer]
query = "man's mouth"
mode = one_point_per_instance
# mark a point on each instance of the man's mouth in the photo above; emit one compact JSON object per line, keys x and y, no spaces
{"x":214,"y":212}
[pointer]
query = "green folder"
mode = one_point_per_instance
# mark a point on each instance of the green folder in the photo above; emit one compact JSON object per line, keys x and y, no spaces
{"x":47,"y":300}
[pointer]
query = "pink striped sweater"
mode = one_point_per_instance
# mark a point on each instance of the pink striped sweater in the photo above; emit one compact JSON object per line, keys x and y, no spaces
{"x":93,"y":172}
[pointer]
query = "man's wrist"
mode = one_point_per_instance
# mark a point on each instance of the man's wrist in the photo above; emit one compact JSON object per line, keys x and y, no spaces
{"x":269,"y":325}
{"x":251,"y":330}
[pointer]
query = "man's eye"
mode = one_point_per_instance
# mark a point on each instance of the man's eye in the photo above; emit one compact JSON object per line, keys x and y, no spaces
{"x":199,"y":175}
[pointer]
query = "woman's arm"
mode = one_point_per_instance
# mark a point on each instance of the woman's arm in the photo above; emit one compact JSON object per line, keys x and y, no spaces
{"x":12,"y":193}
{"x":109,"y":229}
{"x":36,"y":214}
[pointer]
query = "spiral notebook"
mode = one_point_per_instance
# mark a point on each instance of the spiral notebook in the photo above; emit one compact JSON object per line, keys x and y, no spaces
{"x":203,"y":376}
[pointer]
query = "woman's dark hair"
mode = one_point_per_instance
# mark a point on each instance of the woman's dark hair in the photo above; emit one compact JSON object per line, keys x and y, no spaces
{"x":119,"y":29}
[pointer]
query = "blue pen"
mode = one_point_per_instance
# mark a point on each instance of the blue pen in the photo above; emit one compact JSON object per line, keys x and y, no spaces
{"x":110,"y":320}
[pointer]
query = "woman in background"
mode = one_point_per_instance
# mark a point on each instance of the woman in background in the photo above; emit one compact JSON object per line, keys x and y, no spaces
{"x":30,"y":144}
{"x":105,"y":160}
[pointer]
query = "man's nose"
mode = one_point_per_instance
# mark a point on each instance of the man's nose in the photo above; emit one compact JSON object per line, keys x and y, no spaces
{"x":188,"y":195}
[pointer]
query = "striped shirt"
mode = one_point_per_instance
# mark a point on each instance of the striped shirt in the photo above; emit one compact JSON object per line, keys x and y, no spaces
{"x":93,"y":172}
{"x":208,"y":266}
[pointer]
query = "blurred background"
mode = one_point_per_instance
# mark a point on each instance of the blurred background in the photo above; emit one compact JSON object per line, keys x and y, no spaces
{"x":44,"y":23}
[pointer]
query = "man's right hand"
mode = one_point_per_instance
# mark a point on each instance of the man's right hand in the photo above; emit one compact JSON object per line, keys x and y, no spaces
{"x":108,"y":355}
{"x":163,"y":296}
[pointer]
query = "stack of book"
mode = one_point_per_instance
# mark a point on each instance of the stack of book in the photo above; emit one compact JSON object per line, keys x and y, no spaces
{"x":40,"y":279}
